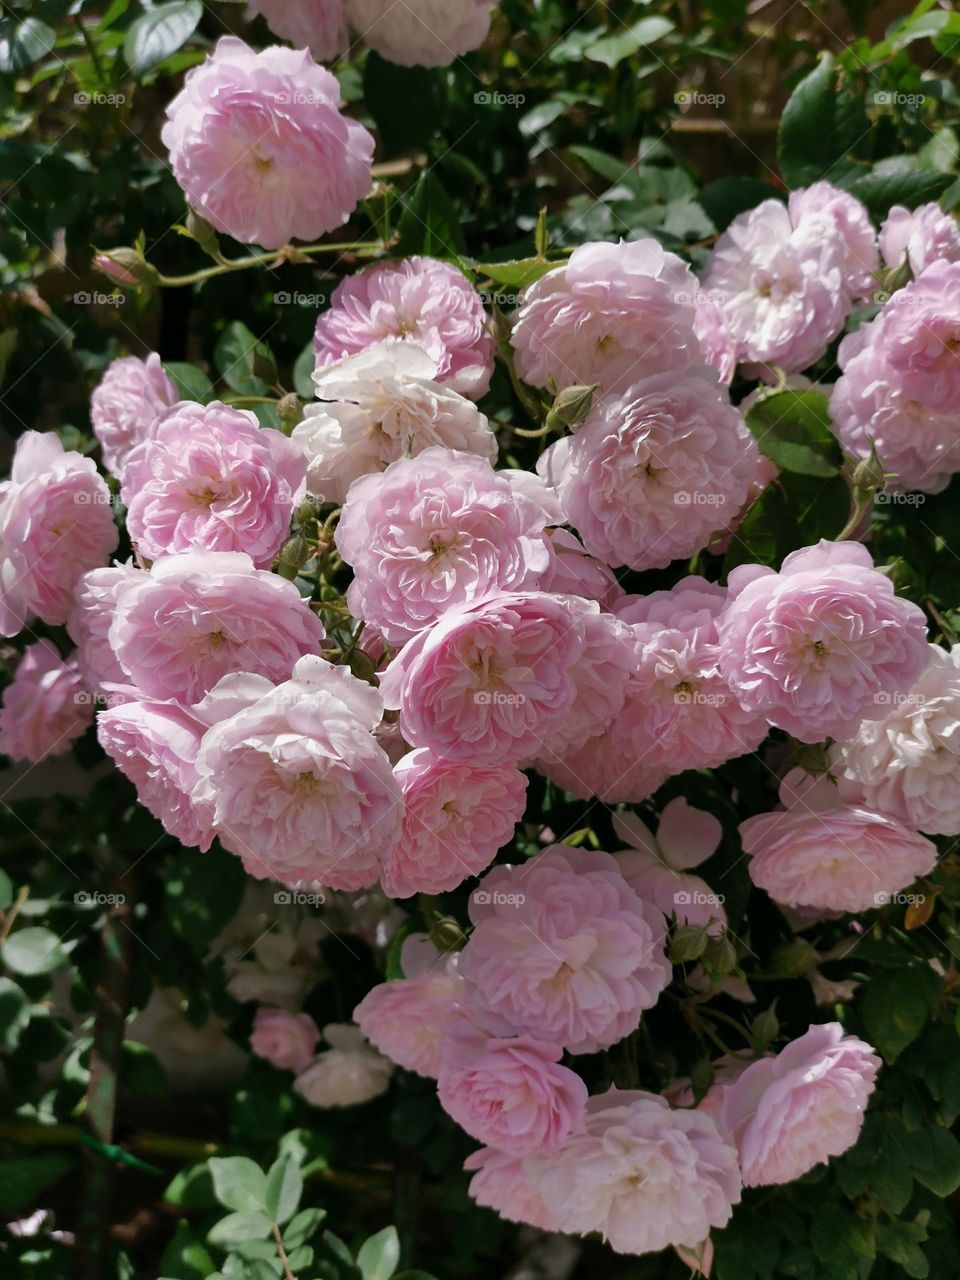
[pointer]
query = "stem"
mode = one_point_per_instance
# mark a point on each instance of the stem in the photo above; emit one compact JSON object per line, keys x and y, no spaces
{"x":861,"y":505}
{"x":287,"y":1273}
{"x":14,"y":911}
{"x":288,"y":253}
{"x":91,"y":49}
{"x":532,"y":435}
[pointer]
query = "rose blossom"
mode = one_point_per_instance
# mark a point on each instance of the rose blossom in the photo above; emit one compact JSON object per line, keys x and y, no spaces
{"x":507,"y":678}
{"x":679,"y":712}
{"x":716,"y":341}
{"x":298,"y":786}
{"x":154,"y":744}
{"x":643,"y":1174}
{"x":259,"y":146}
{"x":415,"y":299}
{"x":346,"y":1074}
{"x":918,"y":333}
{"x":317,"y":25}
{"x":822,"y":644}
{"x":612,"y":314}
{"x":286,"y":1040}
{"x":209,"y":478}
{"x":510,"y":1093}
{"x":55,"y":524}
{"x":424,"y":33}
{"x":652,"y":474}
{"x":781,"y":288}
{"x":502,"y":1182}
{"x":125,"y":404}
{"x":572,"y":571}
{"x":89,"y":622}
{"x":406,"y":1019}
{"x":196,"y":617}
{"x":435,"y":532}
{"x":378,"y":406}
{"x":456,"y":815}
{"x":908,"y":763}
{"x":564,"y":950}
{"x":919,"y":238}
{"x":45,"y":706}
{"x":848,"y":225}
{"x":832,"y":856}
{"x":793,"y":1111}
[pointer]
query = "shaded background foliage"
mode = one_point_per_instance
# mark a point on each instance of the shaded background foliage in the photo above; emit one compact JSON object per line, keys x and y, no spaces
{"x":621,"y":119}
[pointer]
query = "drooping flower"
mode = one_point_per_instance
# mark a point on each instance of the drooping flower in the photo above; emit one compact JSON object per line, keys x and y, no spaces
{"x":45,"y":706}
{"x":345,"y":1075}
{"x":209,"y":478}
{"x":126,"y":402}
{"x":286,"y":1040}
{"x":816,"y":647}
{"x":418,"y":300}
{"x":260,"y":148}
{"x":421,"y":33}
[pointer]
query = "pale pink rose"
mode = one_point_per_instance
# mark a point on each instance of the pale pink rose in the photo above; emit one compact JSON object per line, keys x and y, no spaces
{"x":572,"y":571}
{"x":643,"y":1174}
{"x":564,"y":950}
{"x":679,"y":712}
{"x":456,"y":815}
{"x":298,"y":786}
{"x":657,"y":868}
{"x":919,"y":237}
{"x":918,"y":332}
{"x":651,"y":475}
{"x":436,"y":532}
{"x":908,"y":763}
{"x":509,"y":1092}
{"x":848,"y":225}
{"x":345,"y":1075}
{"x":406,"y":1019}
{"x":416,"y":299}
{"x":205,"y":614}
{"x":260,"y":148}
{"x":377,"y":406}
{"x":716,"y":341}
{"x":424,"y":33}
{"x":782,"y":289}
{"x":843,"y":858}
{"x":821,"y":645}
{"x":154,"y":744}
{"x":55,"y":523}
{"x":286,"y":1040}
{"x":209,"y":478}
{"x":793,"y":1111}
{"x":317,"y":25}
{"x":126,"y":402}
{"x":504,"y":679}
{"x":501,"y":1182}
{"x":45,"y":706}
{"x":612,"y":314}
{"x":89,"y":623}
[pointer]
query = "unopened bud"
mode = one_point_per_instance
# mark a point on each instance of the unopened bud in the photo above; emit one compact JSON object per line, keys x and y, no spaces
{"x":701,"y":1076}
{"x":766,"y":1027}
{"x":126,"y":266}
{"x":446,"y":934}
{"x":290,"y":411}
{"x":793,"y":959}
{"x":812,"y":757}
{"x":306,"y":513}
{"x":572,"y":405}
{"x":204,"y":234}
{"x":294,"y":554}
{"x":868,"y":474}
{"x":720,"y":956}
{"x":362,"y":666}
{"x":688,"y":943}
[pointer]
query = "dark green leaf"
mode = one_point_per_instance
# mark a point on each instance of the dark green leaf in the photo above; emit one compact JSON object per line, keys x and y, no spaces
{"x":727,"y":197}
{"x":879,"y":191}
{"x":793,"y":429}
{"x":893,"y":1016}
{"x":23,"y":43}
{"x":192,"y":383}
{"x":429,"y":223}
{"x":202,"y":893}
{"x":819,"y":128}
{"x":160,"y":32}
{"x":236,"y":353}
{"x":385,"y":85}
{"x":933,"y":1154}
{"x":14,"y":1014}
{"x":23,"y":1178}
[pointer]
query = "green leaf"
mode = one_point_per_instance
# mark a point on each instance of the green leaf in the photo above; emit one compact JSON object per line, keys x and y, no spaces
{"x":893,"y":1015}
{"x":185,"y":1258}
{"x":192,"y":1188}
{"x":819,"y":127}
{"x":303,"y":373}
{"x":14,"y":1014}
{"x":385,"y":85}
{"x":23,"y":1178}
{"x":794,"y":511}
{"x":933,"y":1154}
{"x":301,"y":1227}
{"x":239,"y":1183}
{"x":192,"y":383}
{"x":33,"y":951}
{"x":160,"y":32}
{"x":142,"y":1074}
{"x":611,"y":50}
{"x":236,"y":1228}
{"x":727,"y":197}
{"x":880,"y":190}
{"x":202,"y":894}
{"x":516,"y":274}
{"x":837,"y":1231}
{"x":793,"y":429}
{"x":284,"y":1188}
{"x":378,"y":1256}
{"x":238,"y":355}
{"x":429,"y":223}
{"x":6,"y":891}
{"x":24,"y":43}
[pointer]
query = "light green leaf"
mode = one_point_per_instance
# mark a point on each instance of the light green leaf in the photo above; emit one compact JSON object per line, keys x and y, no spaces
{"x":23,"y":43}
{"x":160,"y":32}
{"x":239,"y":1183}
{"x":33,"y":951}
{"x":284,"y":1188}
{"x":192,"y":383}
{"x":236,"y":1228}
{"x":378,"y":1256}
{"x":611,"y":50}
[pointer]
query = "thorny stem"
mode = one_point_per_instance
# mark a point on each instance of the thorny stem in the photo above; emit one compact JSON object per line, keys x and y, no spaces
{"x":287,"y":253}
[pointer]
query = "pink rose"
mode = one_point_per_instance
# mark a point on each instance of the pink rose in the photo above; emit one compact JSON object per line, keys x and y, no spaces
{"x":209,"y":478}
{"x":317,"y":25}
{"x":259,"y":146}
{"x":510,"y":1093}
{"x":504,"y":679}
{"x":196,"y":617}
{"x":501,"y":1182}
{"x":848,"y":225}
{"x":406,"y":1019}
{"x":716,"y":341}
{"x":456,"y":815}
{"x":918,"y":331}
{"x":613,"y":314}
{"x":919,"y":238}
{"x":644,"y":1175}
{"x":55,"y":523}
{"x":436,"y":532}
{"x":89,"y":623}
{"x":286,"y":1040}
{"x":822,"y":644}
{"x":793,"y":1111}
{"x":126,"y":402}
{"x":424,"y":33}
{"x":564,"y":950}
{"x":45,"y":706}
{"x":154,"y":744}
{"x":572,"y":571}
{"x":298,"y":786}
{"x":651,"y":475}
{"x":419,"y":300}
{"x":345,"y":1075}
